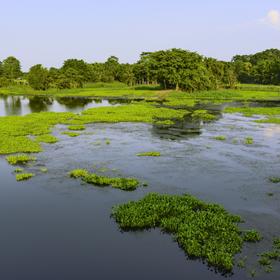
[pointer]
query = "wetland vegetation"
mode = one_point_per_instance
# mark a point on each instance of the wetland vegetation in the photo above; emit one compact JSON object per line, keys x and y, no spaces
{"x":188,"y":108}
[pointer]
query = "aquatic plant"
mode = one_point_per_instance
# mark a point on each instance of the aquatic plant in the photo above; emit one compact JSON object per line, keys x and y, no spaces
{"x":251,"y":111}
{"x":249,"y":141}
{"x":126,"y":184}
{"x":76,"y":127}
{"x":24,"y":176}
{"x":107,"y":142}
{"x":19,"y":159}
{"x":220,"y":138}
{"x":252,"y":236}
{"x":202,"y":230}
{"x":203,"y":115}
{"x":71,"y":134}
{"x":267,"y":258}
{"x":149,"y":154}
{"x":44,"y":169}
{"x":274,"y":180}
{"x":18,"y":170}
{"x":164,"y":123}
{"x":46,"y":138}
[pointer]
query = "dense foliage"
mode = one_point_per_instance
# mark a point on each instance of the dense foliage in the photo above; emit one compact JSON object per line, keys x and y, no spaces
{"x":172,"y":69}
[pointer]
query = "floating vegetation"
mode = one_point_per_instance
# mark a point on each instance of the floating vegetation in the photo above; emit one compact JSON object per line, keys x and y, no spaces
{"x":19,"y":159}
{"x":267,"y":258}
{"x":252,"y":236}
{"x":71,"y":134}
{"x":274,"y":180}
{"x":202,"y":230}
{"x":107,"y":142}
{"x":126,"y":184}
{"x":164,"y":123}
{"x":76,"y":127}
{"x":220,"y":138}
{"x":249,"y":141}
{"x":251,"y":111}
{"x":18,"y":170}
{"x":203,"y":115}
{"x":24,"y":176}
{"x":46,"y":138}
{"x":149,"y":154}
{"x":44,"y":169}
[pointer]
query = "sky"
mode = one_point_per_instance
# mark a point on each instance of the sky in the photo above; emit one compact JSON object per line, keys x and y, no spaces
{"x":49,"y":31}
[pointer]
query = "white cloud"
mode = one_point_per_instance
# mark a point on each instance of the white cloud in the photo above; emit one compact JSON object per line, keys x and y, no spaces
{"x":272,"y":18}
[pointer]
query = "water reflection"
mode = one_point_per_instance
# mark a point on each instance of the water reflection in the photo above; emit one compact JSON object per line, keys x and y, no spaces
{"x":22,"y":105}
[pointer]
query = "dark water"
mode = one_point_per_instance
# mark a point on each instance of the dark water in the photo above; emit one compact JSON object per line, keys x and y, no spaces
{"x":54,"y":227}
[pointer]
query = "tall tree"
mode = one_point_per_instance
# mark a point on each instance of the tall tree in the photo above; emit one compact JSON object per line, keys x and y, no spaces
{"x":11,"y":68}
{"x":38,"y":77}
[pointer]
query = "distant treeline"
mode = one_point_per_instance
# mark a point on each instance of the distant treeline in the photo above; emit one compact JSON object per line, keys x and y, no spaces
{"x":172,"y":69}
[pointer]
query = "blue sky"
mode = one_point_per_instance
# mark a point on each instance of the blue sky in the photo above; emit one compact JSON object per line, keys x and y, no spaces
{"x":48,"y":32}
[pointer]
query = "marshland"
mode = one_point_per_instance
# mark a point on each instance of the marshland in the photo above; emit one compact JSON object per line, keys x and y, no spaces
{"x":166,"y":168}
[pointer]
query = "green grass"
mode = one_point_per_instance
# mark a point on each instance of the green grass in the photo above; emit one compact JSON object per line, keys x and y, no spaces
{"x":203,"y":115}
{"x":24,"y":176}
{"x":149,"y":154}
{"x":19,"y":159}
{"x":126,"y":184}
{"x":202,"y":230}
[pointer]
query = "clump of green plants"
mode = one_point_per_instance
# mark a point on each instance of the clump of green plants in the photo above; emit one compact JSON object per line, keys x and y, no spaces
{"x":18,"y":170}
{"x":107,"y":142}
{"x":203,"y":115}
{"x":19,"y":159}
{"x":71,"y":134}
{"x":252,"y":236}
{"x":274,"y":180}
{"x":267,"y":258}
{"x":76,"y":127}
{"x":149,"y":154}
{"x":164,"y":123}
{"x":46,"y":138}
{"x":126,"y":184}
{"x":44,"y":169}
{"x":251,"y":111}
{"x":202,"y":230}
{"x":249,"y":141}
{"x":220,"y":138}
{"x":24,"y":176}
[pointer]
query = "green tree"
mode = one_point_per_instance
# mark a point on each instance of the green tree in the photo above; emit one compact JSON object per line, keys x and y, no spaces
{"x":11,"y":68}
{"x":38,"y":77}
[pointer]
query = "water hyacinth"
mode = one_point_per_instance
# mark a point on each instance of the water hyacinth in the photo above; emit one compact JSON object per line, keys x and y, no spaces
{"x":126,"y":184}
{"x":24,"y":176}
{"x":19,"y":159}
{"x":202,"y":230}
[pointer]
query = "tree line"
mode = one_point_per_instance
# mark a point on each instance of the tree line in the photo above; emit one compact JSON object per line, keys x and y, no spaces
{"x":172,"y":69}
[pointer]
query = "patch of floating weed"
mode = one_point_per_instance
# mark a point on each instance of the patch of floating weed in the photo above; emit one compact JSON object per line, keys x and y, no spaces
{"x":19,"y":159}
{"x":267,"y":258}
{"x":107,"y":142}
{"x":220,"y":138}
{"x":149,"y":154}
{"x":274,"y":180}
{"x":46,"y":138}
{"x":76,"y":127}
{"x":24,"y":176}
{"x":269,"y":120}
{"x":126,"y":184}
{"x":71,"y":134}
{"x":18,"y":170}
{"x":164,"y":123}
{"x":202,"y":230}
{"x":249,"y":141}
{"x":251,"y":111}
{"x":203,"y":115}
{"x":252,"y":236}
{"x":44,"y":169}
